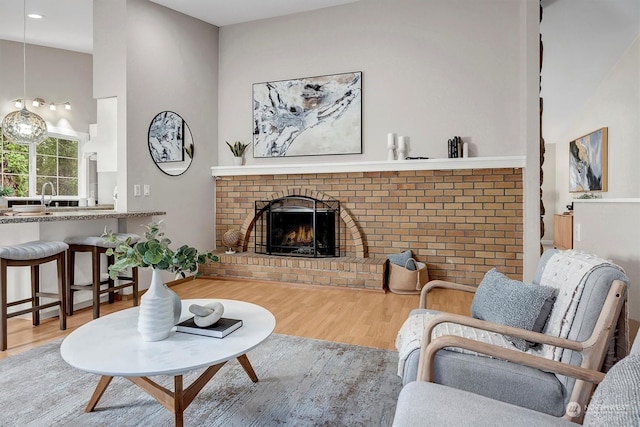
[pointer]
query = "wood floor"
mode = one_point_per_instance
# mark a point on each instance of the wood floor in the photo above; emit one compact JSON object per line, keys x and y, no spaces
{"x":351,"y":316}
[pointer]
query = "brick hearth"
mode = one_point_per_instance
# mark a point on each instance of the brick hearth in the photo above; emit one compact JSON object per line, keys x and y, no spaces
{"x":353,"y":272}
{"x":459,"y":222}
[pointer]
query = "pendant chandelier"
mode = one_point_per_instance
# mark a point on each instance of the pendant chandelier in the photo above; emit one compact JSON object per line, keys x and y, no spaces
{"x":23,"y":126}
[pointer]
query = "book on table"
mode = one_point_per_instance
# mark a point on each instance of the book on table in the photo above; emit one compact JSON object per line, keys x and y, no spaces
{"x":220,"y":329}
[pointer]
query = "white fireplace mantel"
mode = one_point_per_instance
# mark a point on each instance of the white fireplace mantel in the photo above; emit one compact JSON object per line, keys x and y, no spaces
{"x":376,"y":166}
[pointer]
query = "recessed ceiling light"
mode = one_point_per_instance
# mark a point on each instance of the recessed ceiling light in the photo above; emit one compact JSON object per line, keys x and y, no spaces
{"x":35,"y":16}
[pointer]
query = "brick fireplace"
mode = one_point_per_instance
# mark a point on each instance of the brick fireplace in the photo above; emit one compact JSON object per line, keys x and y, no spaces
{"x":297,"y":226}
{"x":459,"y":222}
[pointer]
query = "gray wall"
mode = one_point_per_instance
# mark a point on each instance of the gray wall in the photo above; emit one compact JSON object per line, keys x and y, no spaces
{"x":432,"y":69}
{"x":610,"y":230}
{"x":549,"y":193}
{"x":171,"y":64}
{"x":56,"y":75}
{"x":616,"y":105}
{"x":608,"y":227}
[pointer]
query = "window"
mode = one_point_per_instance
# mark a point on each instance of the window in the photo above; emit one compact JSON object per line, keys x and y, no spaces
{"x":57,"y":161}
{"x":26,"y":168}
{"x":14,"y":167}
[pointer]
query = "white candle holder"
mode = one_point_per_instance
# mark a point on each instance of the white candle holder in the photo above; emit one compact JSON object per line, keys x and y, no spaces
{"x":391,"y":146}
{"x":402,"y":147}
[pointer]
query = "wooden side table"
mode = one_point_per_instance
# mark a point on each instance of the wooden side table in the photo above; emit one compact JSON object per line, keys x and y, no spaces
{"x":563,"y":231}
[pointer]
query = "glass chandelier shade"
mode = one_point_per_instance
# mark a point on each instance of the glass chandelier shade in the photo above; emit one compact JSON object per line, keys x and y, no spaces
{"x":24,"y":127}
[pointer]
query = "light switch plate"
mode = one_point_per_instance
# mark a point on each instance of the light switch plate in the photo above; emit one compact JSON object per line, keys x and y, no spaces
{"x":146,"y":189}
{"x":136,"y":190}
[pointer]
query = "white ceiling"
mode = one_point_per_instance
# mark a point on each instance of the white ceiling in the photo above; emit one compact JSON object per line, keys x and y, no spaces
{"x":227,"y":12}
{"x":68,"y":24}
{"x":583,"y":39}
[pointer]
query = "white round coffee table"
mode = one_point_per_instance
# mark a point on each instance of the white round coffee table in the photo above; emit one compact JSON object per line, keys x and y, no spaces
{"x":111,"y":346}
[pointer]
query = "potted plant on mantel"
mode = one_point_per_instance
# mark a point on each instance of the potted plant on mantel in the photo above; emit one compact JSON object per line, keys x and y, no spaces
{"x":159,"y":306}
{"x":237,"y":149}
{"x":4,"y":192}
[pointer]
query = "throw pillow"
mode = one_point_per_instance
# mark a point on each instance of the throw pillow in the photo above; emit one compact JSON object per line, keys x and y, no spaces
{"x":513,"y":303}
{"x":616,"y":401}
{"x":402,"y":258}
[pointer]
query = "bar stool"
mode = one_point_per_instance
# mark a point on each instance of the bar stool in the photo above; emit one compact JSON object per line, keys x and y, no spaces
{"x":32,"y":254}
{"x":96,"y":245}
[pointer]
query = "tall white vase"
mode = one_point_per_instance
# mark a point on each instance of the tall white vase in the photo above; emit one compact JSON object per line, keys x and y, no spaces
{"x":155,"y":319}
{"x":177,"y":304}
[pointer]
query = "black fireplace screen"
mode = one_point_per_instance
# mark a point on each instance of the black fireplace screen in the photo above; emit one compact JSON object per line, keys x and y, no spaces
{"x":297,"y":226}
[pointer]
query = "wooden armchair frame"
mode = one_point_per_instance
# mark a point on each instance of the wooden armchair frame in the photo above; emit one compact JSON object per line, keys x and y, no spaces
{"x":593,"y":350}
{"x":443,"y":284}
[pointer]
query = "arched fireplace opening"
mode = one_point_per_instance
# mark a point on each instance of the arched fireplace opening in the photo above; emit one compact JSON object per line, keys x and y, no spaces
{"x":297,"y":226}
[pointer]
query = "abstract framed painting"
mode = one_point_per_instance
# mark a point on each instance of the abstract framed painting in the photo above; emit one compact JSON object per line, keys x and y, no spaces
{"x":588,"y":162}
{"x":309,"y":116}
{"x":166,"y":137}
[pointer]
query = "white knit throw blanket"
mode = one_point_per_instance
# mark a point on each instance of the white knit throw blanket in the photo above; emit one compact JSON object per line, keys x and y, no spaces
{"x":409,"y":337}
{"x":566,"y":271}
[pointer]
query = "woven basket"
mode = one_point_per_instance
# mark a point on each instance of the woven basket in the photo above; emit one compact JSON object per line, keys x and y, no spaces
{"x":405,"y":281}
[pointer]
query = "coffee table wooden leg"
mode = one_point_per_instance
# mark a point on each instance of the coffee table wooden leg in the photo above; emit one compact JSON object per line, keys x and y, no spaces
{"x":98,"y":392}
{"x":192,"y":391}
{"x":178,"y":400}
{"x":244,"y":361}
{"x":161,"y":394}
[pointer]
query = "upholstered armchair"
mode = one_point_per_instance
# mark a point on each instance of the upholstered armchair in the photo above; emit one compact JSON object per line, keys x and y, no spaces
{"x":616,"y":402}
{"x":502,"y":359}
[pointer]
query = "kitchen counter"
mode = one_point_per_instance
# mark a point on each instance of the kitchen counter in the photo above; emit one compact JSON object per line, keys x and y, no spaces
{"x":71,"y":214}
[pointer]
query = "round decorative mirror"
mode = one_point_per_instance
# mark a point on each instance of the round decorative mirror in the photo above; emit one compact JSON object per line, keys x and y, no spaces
{"x":170,"y":143}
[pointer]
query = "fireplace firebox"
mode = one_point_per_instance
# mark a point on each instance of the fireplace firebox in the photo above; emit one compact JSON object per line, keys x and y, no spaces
{"x":297,"y":226}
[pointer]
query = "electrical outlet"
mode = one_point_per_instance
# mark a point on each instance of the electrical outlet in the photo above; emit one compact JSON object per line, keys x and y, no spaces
{"x":576,"y":232}
{"x":146,"y":189}
{"x":136,"y":190}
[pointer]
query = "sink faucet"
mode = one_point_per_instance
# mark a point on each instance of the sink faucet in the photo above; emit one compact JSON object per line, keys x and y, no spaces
{"x":53,"y":193}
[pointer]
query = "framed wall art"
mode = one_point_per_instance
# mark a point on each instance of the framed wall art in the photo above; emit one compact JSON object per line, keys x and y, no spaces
{"x":166,"y":137}
{"x":588,"y":162}
{"x":309,"y":116}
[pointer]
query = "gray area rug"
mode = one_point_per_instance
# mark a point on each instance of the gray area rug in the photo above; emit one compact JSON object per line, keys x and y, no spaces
{"x":303,"y":382}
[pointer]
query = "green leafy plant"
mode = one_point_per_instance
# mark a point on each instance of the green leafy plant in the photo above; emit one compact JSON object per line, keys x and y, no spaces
{"x":5,"y":191}
{"x":237,"y":148}
{"x":589,"y":196}
{"x":155,"y":252}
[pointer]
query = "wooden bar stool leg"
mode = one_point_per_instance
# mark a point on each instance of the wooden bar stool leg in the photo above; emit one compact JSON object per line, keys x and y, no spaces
{"x":134,"y":275}
{"x":71,"y":277}
{"x":3,"y":304}
{"x":111,"y":282}
{"x":13,"y":257}
{"x":95,"y":272}
{"x":35,"y":290}
{"x":61,"y":290}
